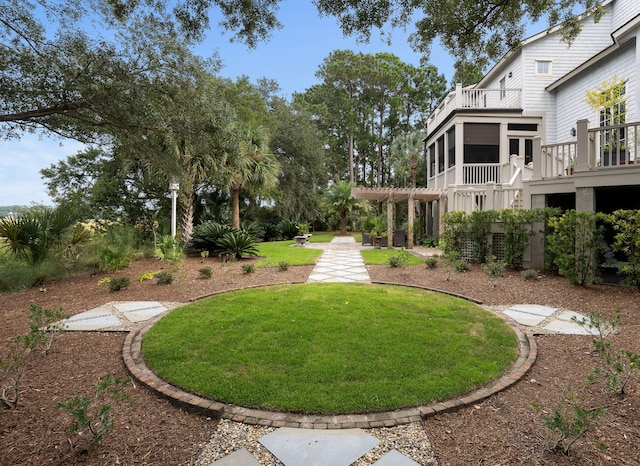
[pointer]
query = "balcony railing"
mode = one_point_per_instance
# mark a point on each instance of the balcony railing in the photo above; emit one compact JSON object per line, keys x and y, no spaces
{"x":558,"y":159}
{"x":615,"y":145}
{"x":480,"y":173}
{"x":470,"y":99}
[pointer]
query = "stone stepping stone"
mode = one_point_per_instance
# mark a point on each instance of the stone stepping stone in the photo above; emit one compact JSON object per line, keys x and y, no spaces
{"x":395,"y":458}
{"x":139,"y":311}
{"x":95,"y":323}
{"x":315,"y":447}
{"x":240,"y":457}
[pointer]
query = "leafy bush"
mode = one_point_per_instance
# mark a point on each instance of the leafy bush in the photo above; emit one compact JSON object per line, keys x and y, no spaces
{"x":270,"y":230}
{"x":205,"y":272}
{"x":288,"y":229}
{"x":146,"y":276}
{"x":248,"y":268}
{"x":456,"y":228}
{"x":626,"y":223}
{"x":238,"y":244}
{"x":113,"y":258}
{"x":119,"y":283}
{"x":95,"y":414}
{"x":431,"y":262}
{"x":400,"y":259}
{"x":34,"y":233}
{"x":569,"y":422}
{"x":206,"y":235}
{"x":530,"y":274}
{"x":479,"y":230}
{"x":574,"y":242}
{"x":283,"y":266}
{"x":170,"y":249}
{"x":164,"y":278}
{"x":518,"y":230}
{"x":253,"y":229}
{"x":429,"y":241}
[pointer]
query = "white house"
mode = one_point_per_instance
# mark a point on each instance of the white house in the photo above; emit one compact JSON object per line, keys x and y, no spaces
{"x":525,"y":136}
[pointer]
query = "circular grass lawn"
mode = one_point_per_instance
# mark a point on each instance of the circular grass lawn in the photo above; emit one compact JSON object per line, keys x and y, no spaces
{"x":330,"y":348}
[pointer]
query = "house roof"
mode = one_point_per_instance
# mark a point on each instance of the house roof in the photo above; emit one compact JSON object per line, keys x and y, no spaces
{"x":507,"y":57}
{"x":397,"y":194}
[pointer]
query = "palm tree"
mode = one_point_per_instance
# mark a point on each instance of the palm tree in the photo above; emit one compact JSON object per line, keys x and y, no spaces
{"x":337,"y":200}
{"x":254,"y":168}
{"x":405,"y":151}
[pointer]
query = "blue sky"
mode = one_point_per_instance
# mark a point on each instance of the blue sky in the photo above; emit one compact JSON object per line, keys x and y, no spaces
{"x":291,"y":57}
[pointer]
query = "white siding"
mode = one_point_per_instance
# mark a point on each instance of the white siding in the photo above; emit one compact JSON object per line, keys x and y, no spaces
{"x":623,"y":11}
{"x":571,"y":105}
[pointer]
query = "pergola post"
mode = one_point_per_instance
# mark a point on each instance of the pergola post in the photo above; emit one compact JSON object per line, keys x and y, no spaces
{"x":389,"y":223}
{"x":410,"y":220}
{"x":441,"y":211}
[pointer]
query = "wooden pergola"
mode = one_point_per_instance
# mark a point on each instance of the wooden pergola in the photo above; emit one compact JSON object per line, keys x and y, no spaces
{"x":391,"y":195}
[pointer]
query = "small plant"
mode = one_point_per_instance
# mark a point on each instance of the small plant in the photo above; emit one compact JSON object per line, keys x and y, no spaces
{"x":530,"y":274}
{"x":568,"y":422}
{"x":283,"y":266}
{"x":205,"y":272}
{"x":429,"y":241}
{"x":45,"y":325}
{"x":619,"y":367}
{"x":146,"y":276}
{"x":493,"y":269}
{"x":119,"y":283}
{"x":399,"y":260}
{"x":431,"y":262}
{"x":248,"y":268}
{"x":95,"y":415}
{"x":164,"y":278}
{"x":455,"y":264}
{"x":43,"y":328}
{"x":204,"y":254}
{"x":104,"y":281}
{"x":238,"y":244}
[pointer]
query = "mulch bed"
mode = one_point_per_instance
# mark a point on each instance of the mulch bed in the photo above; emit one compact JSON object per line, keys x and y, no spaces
{"x":505,"y":429}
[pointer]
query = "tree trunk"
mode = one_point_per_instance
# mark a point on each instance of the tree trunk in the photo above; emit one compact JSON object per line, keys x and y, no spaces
{"x":235,"y":208}
{"x":343,"y":223}
{"x":186,"y":220}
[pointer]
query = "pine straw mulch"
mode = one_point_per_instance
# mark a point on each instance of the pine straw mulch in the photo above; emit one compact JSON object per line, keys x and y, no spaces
{"x":503,"y":430}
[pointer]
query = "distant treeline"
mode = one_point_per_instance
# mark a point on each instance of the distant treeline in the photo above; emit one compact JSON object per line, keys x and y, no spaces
{"x":7,"y":209}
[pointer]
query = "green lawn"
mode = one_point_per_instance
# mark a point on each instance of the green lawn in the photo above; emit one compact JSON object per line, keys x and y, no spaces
{"x":381,"y":256}
{"x":275,"y":252}
{"x":330,"y":348}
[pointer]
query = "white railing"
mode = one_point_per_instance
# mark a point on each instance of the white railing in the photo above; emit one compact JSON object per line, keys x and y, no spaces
{"x":490,"y":98}
{"x":491,"y":197}
{"x":481,"y":99}
{"x":558,"y":159}
{"x":616,"y":145}
{"x":480,"y":173}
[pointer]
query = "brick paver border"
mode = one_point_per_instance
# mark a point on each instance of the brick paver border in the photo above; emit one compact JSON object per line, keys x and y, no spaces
{"x":131,"y":353}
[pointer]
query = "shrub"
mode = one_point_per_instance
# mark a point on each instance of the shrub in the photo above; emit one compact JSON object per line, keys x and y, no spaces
{"x":288,"y":229}
{"x":95,"y":414}
{"x":479,"y":230}
{"x":574,"y":243}
{"x":429,"y":241}
{"x":113,"y":258}
{"x":238,"y":244}
{"x":34,"y":233}
{"x":456,"y":228}
{"x":400,"y":259}
{"x":248,"y":268}
{"x":530,"y":274}
{"x":253,"y":229}
{"x":205,"y":272}
{"x":170,"y":249}
{"x":16,"y":275}
{"x":270,"y":231}
{"x":431,"y":262}
{"x":206,"y":235}
{"x":164,"y":278}
{"x":568,"y":422}
{"x":119,"y":283}
{"x":518,"y":232}
{"x":493,"y":269}
{"x":283,"y":266}
{"x":626,"y":224}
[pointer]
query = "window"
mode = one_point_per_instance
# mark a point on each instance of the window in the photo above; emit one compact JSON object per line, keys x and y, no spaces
{"x":613,"y":112}
{"x":440,"y":154}
{"x":432,"y":160}
{"x":451,"y":146}
{"x":543,"y":67}
{"x":522,"y":127}
{"x":481,"y":143}
{"x":503,"y":88}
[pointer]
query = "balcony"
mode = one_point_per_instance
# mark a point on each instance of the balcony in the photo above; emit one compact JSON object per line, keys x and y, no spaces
{"x":474,"y":99}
